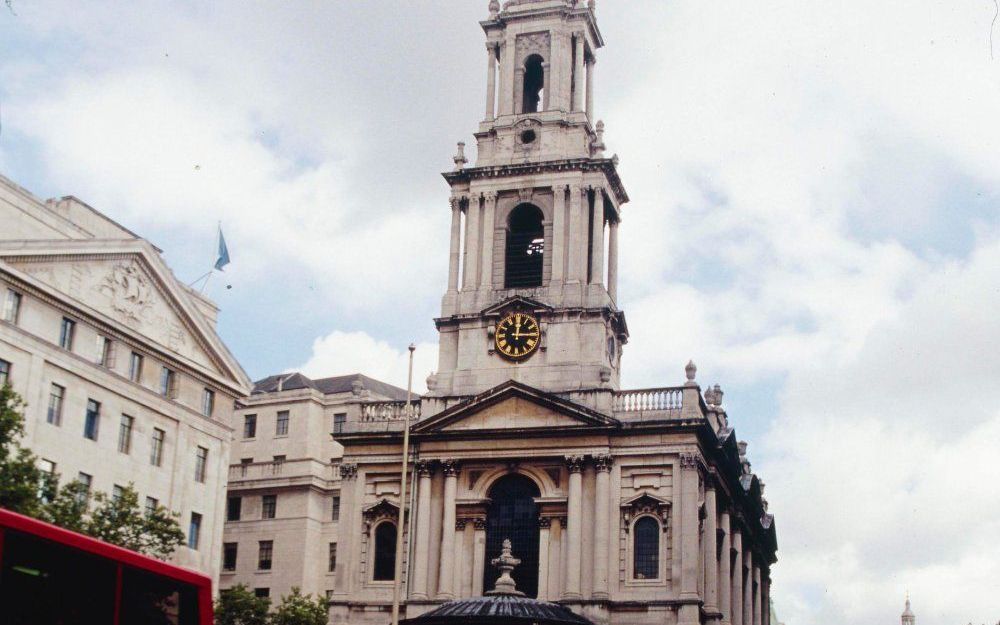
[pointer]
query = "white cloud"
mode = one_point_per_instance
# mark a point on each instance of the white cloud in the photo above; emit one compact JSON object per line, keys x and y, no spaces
{"x":341,"y":353}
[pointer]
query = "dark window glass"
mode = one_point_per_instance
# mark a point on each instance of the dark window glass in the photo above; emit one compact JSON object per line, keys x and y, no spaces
{"x":207,"y":402}
{"x":335,"y":509}
{"x":281,"y":425}
{"x":229,"y":551}
{"x":647,"y":548}
{"x":194,"y":530}
{"x":117,"y":492}
{"x":56,"y":396}
{"x":269,"y":506}
{"x":525,"y":248}
{"x":125,"y":434}
{"x":104,"y":351}
{"x":12,"y":306}
{"x":92,"y":420}
{"x":338,"y":422}
{"x":513,"y":514}
{"x":66,"y":331}
{"x":200,"y":464}
{"x":151,"y":599}
{"x":385,"y":551}
{"x":234,"y":508}
{"x":262,"y":592}
{"x":250,"y":426}
{"x":168,"y":383}
{"x":332,"y":564}
{"x":265,"y":551}
{"x":156,"y":451}
{"x":151,"y":505}
{"x":4,"y":372}
{"x":135,"y":367}
{"x":534,"y":82}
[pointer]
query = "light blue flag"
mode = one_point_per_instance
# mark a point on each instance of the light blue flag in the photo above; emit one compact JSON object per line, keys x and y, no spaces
{"x":223,"y":259}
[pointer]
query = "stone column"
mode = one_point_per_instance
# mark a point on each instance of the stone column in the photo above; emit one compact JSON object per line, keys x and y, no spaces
{"x":597,"y":239}
{"x":469,"y":275}
{"x":459,"y":559}
{"x":602,"y":524}
{"x":446,"y":573}
{"x":578,"y":73}
{"x":613,"y":259}
{"x":478,"y":556}
{"x":546,"y":86}
{"x":747,"y":586}
{"x":507,"y":76}
{"x":486,"y":271}
{"x":555,"y":559}
{"x":491,"y":81}
{"x":519,"y":90}
{"x":456,"y":241}
{"x":576,"y":246}
{"x":765,"y":597}
{"x":590,"y":86}
{"x":725,"y":574}
{"x":543,"y":558}
{"x":574,"y":528}
{"x":737,"y":590}
{"x":757,"y":607}
{"x":419,"y":587}
{"x":689,"y":523}
{"x":558,"y":231}
{"x":711,"y":563}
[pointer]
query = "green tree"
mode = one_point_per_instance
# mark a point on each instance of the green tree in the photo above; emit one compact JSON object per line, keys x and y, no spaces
{"x":68,"y":508}
{"x":23,"y":485}
{"x":120,"y":521}
{"x":299,"y":609}
{"x":239,"y":606}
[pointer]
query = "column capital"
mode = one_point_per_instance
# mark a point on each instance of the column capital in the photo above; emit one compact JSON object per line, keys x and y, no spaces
{"x":544,"y":522}
{"x":479,"y":524}
{"x":472,"y":197}
{"x":490,"y":197}
{"x":460,"y":524}
{"x":425,"y":468}
{"x":456,"y":202}
{"x":574,"y":463}
{"x":603,"y":462}
{"x":348,"y":471}
{"x":450,"y":468}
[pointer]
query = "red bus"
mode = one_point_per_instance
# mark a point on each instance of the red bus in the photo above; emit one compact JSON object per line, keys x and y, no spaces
{"x":49,"y":575}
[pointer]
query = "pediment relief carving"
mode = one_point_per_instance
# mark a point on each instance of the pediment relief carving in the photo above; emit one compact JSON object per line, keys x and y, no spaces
{"x":645,"y":504}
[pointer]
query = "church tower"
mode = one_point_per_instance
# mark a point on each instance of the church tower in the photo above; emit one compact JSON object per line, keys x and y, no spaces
{"x":908,"y":618}
{"x":533,"y":272}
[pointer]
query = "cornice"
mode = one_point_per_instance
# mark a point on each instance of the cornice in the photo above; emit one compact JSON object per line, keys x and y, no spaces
{"x":605,"y":165}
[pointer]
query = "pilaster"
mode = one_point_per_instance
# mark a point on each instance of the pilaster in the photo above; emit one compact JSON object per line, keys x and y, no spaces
{"x":574,"y":508}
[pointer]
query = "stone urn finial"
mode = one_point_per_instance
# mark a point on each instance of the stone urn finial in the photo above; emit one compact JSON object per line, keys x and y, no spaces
{"x":459,"y":158}
{"x":598,"y":145}
{"x":717,"y":392}
{"x":690,"y":370}
{"x":494,"y":9}
{"x":506,"y":562}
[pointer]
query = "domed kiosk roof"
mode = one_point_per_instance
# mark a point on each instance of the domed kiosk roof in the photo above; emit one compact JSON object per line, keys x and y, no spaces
{"x":501,"y":606}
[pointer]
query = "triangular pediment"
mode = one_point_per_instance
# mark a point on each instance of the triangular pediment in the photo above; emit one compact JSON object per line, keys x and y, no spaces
{"x":514,"y":407}
{"x":128,"y":286}
{"x":517,"y":301}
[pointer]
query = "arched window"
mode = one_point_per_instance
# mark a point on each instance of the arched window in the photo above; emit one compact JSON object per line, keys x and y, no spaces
{"x":646,"y":548}
{"x":525,"y":248}
{"x":385,"y":552}
{"x":534,"y":82}
{"x":513,"y":514}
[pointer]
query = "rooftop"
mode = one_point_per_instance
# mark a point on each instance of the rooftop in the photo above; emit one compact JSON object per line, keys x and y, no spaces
{"x":354,"y":382}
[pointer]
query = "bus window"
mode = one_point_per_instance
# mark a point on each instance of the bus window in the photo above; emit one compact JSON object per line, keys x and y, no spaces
{"x":45,"y":582}
{"x":154,"y":600}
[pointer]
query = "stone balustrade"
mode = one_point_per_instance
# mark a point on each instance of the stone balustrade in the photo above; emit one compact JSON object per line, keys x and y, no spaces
{"x":280,"y":468}
{"x":634,"y":403}
{"x":388,"y":411}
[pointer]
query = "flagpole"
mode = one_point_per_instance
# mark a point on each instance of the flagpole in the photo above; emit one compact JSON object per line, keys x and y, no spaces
{"x":398,"y":574}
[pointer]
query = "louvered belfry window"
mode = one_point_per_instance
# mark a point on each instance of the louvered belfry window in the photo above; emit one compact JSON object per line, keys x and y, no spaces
{"x":525,"y":248}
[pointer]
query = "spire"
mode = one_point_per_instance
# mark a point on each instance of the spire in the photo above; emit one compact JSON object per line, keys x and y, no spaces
{"x":505,"y":584}
{"x":908,"y":618}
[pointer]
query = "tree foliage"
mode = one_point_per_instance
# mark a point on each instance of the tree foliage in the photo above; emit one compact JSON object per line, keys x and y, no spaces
{"x":299,"y":609}
{"x":240,"y":606}
{"x":26,"y":489}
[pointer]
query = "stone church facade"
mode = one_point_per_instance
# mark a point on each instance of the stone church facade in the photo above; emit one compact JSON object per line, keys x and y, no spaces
{"x":627,"y":506}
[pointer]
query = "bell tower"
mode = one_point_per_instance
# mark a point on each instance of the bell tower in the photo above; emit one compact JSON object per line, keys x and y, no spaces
{"x":533,"y":272}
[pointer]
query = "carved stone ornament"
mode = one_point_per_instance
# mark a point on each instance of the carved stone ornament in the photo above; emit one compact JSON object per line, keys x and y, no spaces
{"x":689,"y":460}
{"x":646,"y":504}
{"x":479,"y":524}
{"x":425,"y":468}
{"x":574,"y":463}
{"x":129,"y":291}
{"x":544,"y":522}
{"x":532,"y":43}
{"x":450,"y":468}
{"x":603,"y":462}
{"x":383,"y":510}
{"x":525,"y":194}
{"x":460,"y":524}
{"x":348,"y":471}
{"x":690,"y":370}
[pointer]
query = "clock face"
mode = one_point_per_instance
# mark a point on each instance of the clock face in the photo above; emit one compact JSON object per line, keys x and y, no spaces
{"x":517,"y":336}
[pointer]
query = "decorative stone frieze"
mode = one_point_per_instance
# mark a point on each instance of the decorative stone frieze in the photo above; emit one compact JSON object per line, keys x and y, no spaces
{"x":603,"y":462}
{"x":348,"y":471}
{"x":574,"y":463}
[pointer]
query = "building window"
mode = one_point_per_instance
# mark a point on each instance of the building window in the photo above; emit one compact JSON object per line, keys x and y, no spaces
{"x":156,"y":451}
{"x":135,"y":367}
{"x":332,"y":564}
{"x":250,"y":426}
{"x":385,"y":552}
{"x":281,"y":425}
{"x":125,"y":434}
{"x":56,"y":395}
{"x":152,"y":503}
{"x":207,"y":402}
{"x":168,"y":383}
{"x":229,"y":556}
{"x":338,"y":422}
{"x":194,"y":530}
{"x":646,"y":548}
{"x":261,"y":593}
{"x":87,"y":480}
{"x":45,"y":491}
{"x":104,"y":351}
{"x":525,"y":248}
{"x":244,"y":463}
{"x":268,"y":506}
{"x":200,"y":464}
{"x":47,"y":466}
{"x":234,"y":508}
{"x":12,"y":306}
{"x":66,"y":332}
{"x":4,"y":372}
{"x":265,"y":550}
{"x":335,"y":509}
{"x":277,"y":464}
{"x":116,"y":493}
{"x":92,"y":420}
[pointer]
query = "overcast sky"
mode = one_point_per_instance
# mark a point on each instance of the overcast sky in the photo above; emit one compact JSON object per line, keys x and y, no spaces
{"x":814,"y":220}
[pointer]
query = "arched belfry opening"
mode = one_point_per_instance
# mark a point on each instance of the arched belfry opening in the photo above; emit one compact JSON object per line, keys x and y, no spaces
{"x":534,"y":83}
{"x":513,"y":514}
{"x":525,"y":248}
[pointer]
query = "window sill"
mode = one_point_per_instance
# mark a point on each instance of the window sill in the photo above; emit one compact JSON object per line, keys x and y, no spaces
{"x":233,"y":572}
{"x":262,"y":572}
{"x":281,"y":436}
